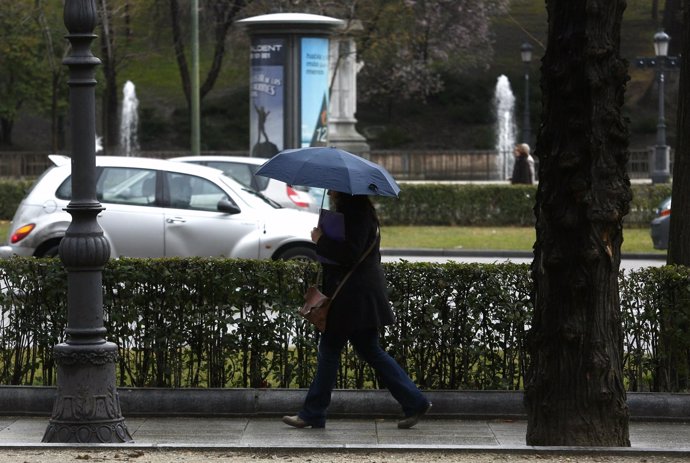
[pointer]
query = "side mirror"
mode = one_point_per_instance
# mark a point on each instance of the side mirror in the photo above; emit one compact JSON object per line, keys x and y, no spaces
{"x":228,"y":207}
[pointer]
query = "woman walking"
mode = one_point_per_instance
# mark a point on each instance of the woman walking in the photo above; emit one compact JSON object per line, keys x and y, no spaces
{"x":523,"y":169}
{"x":360,"y":309}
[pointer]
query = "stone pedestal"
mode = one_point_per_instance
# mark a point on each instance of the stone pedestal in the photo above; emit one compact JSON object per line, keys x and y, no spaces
{"x":343,"y":104}
{"x":86,"y":411}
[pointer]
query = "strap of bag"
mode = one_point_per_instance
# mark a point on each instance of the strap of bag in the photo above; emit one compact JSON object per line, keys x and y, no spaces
{"x":366,"y":253}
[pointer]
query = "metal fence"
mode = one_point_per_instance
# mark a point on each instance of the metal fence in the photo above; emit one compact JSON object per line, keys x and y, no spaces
{"x":472,"y":165}
{"x":403,"y":165}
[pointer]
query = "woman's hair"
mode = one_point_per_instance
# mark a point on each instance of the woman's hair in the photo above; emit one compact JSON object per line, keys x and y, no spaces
{"x":356,"y":204}
{"x":523,"y":149}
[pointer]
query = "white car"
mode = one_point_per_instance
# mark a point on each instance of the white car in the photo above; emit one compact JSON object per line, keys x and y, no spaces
{"x":157,"y":208}
{"x":243,"y":169}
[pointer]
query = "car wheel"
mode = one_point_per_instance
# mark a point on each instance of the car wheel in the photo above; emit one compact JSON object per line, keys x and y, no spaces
{"x":298,"y":253}
{"x":52,"y":251}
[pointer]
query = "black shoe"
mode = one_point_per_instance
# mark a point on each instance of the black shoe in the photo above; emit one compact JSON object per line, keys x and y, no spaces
{"x":409,"y":421}
{"x":297,"y":422}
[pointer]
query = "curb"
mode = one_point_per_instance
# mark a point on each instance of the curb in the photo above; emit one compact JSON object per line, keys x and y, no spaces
{"x":346,"y":403}
{"x":540,"y":452}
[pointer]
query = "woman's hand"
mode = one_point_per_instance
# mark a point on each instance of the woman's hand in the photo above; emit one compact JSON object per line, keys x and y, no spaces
{"x":316,"y":234}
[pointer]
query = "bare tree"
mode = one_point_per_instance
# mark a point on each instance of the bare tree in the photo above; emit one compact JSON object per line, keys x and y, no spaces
{"x":55,"y":50}
{"x":23,"y":80}
{"x":406,"y":43}
{"x":115,"y":33}
{"x":574,"y":392}
{"x":221,"y":14}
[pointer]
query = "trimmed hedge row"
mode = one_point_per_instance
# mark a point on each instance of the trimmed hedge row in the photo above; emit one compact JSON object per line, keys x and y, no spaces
{"x":11,"y":194}
{"x":441,"y":204}
{"x":492,"y":205}
{"x":232,"y":323}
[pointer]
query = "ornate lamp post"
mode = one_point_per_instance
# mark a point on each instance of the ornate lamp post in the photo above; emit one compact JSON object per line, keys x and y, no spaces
{"x":660,"y":170}
{"x":526,"y":55}
{"x":87,"y":406}
{"x":660,"y":159}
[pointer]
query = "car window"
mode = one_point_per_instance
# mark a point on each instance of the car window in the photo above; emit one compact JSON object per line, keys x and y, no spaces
{"x":250,"y":196}
{"x":64,"y":191}
{"x":243,"y":173}
{"x":239,"y":172}
{"x":125,"y":185}
{"x":261,"y":182}
{"x":120,"y":185}
{"x":190,"y":192}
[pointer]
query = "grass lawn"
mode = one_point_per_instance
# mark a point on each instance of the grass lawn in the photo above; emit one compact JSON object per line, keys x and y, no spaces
{"x":504,"y":238}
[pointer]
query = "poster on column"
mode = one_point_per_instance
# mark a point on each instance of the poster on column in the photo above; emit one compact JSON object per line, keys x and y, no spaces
{"x":314,"y":91}
{"x":266,"y":135}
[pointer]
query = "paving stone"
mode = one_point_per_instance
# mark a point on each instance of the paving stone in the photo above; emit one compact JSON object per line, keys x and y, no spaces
{"x":439,"y":440}
{"x":25,"y":429}
{"x":652,"y":437}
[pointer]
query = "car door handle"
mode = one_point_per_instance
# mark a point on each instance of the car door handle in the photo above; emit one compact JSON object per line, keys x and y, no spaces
{"x":175,"y":220}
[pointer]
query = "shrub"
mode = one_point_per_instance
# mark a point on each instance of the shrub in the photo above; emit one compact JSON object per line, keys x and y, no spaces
{"x":233,"y":323}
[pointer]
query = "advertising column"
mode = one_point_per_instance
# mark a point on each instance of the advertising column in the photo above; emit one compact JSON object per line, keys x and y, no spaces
{"x":267,"y":76}
{"x":289,"y":81}
{"x":314,"y":91}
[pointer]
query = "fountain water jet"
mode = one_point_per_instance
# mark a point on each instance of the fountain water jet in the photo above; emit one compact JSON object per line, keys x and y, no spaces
{"x":129,"y":121}
{"x":504,"y":105}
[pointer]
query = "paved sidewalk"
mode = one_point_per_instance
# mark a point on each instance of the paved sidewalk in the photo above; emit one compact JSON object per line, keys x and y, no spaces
{"x":503,"y":436}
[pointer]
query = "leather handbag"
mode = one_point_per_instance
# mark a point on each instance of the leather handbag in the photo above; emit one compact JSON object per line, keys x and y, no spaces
{"x":315,"y":308}
{"x":317,"y":304}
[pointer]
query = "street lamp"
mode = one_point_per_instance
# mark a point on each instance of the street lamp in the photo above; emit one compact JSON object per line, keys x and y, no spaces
{"x":660,"y":168}
{"x":661,"y":40}
{"x":660,"y":157}
{"x":526,"y":55}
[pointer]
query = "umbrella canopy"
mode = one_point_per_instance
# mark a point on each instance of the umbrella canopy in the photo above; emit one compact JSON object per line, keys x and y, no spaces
{"x":330,"y":168}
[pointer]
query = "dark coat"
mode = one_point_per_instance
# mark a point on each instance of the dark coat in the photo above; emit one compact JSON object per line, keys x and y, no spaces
{"x":362,"y":301}
{"x":521,"y":171}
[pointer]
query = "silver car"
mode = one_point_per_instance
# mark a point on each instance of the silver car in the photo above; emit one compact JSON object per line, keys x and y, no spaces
{"x":661,"y":224}
{"x":243,"y":169}
{"x":157,"y":208}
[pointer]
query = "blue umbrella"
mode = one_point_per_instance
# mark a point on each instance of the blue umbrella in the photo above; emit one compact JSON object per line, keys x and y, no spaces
{"x":330,"y":168}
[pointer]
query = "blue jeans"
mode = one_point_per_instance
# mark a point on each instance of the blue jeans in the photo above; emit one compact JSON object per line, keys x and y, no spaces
{"x":366,"y":344}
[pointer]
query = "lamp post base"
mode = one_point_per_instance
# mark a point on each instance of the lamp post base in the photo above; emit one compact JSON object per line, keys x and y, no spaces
{"x":660,"y":164}
{"x":87,"y":406}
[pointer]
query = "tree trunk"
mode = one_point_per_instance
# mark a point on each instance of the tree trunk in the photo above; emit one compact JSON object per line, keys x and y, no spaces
{"x":178,"y":44}
{"x":109,"y":115}
{"x":223,"y":16}
{"x":673,"y":25}
{"x":679,"y":246}
{"x":56,"y":73}
{"x":6,"y":131}
{"x":574,"y":392}
{"x":54,"y":139}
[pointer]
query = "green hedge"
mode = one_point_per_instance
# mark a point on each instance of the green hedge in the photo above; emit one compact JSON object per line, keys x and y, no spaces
{"x":11,"y":193}
{"x":492,"y":204}
{"x":441,"y":204}
{"x":232,"y":323}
